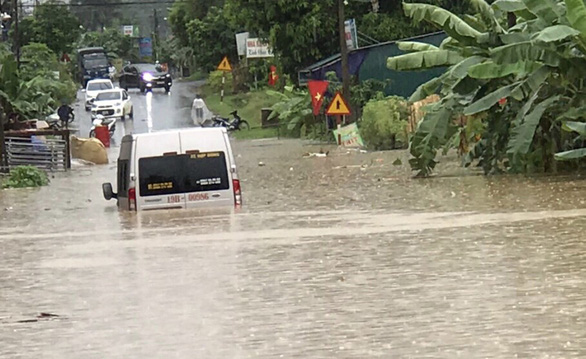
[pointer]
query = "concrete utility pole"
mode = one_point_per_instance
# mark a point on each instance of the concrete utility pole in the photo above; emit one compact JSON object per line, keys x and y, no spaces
{"x":155,"y":35}
{"x":16,"y":34}
{"x":344,"y":52}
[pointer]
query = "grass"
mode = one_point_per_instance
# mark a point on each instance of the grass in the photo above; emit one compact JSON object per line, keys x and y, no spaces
{"x":249,"y":107}
{"x":196,"y":76}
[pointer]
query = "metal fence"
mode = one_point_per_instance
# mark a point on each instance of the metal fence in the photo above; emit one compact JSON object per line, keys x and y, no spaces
{"x":50,"y":154}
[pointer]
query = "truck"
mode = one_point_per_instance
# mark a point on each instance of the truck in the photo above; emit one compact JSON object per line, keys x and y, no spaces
{"x":92,"y":63}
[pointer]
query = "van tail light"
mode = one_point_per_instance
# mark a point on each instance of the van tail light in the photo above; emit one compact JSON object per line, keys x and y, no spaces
{"x":237,"y":193}
{"x":132,"y":199}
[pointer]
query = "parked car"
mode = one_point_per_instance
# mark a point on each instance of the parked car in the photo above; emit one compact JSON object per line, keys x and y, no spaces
{"x":191,"y":168}
{"x":93,"y":87}
{"x":112,"y":104}
{"x":145,"y":77}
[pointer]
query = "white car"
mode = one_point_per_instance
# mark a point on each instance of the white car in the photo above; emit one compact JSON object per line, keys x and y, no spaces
{"x":93,"y":87}
{"x":112,"y":104}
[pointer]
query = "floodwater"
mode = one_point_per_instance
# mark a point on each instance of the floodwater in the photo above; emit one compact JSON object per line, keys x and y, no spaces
{"x":345,"y":256}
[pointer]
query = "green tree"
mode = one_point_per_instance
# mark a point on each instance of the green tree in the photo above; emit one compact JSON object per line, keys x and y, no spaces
{"x":212,"y":38}
{"x":52,"y":24}
{"x":183,"y":12}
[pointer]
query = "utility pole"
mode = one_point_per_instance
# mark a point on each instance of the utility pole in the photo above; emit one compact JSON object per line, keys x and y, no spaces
{"x":16,"y":33}
{"x":344,"y":51}
{"x":155,"y":35}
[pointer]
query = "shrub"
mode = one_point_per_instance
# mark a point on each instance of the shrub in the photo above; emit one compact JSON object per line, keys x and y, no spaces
{"x":215,"y":82}
{"x":384,"y":123}
{"x":26,"y":176}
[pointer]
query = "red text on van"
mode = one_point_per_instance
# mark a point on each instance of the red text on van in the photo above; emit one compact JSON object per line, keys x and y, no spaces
{"x":198,"y":197}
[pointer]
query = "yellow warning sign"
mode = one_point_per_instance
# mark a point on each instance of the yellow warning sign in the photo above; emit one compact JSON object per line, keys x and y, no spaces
{"x":338,"y":106}
{"x":225,"y":65}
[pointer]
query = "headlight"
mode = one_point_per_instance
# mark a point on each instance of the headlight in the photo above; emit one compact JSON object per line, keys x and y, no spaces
{"x":168,"y":75}
{"x":118,"y":111}
{"x":147,"y":76}
{"x":117,"y":104}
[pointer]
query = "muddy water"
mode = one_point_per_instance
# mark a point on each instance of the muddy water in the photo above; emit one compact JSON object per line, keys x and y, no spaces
{"x":337,"y":257}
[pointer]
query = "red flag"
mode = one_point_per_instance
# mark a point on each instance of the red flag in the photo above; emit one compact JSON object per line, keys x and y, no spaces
{"x":317,"y":90}
{"x":273,"y":77}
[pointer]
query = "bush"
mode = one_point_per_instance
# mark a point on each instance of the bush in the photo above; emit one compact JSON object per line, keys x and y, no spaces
{"x":26,"y":176}
{"x":384,"y":123}
{"x":215,"y":82}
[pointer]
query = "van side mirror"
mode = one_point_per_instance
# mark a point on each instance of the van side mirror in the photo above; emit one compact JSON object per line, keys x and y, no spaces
{"x":108,"y":192}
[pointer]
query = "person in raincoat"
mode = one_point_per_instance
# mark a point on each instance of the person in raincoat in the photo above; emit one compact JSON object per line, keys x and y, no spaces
{"x":198,"y":111}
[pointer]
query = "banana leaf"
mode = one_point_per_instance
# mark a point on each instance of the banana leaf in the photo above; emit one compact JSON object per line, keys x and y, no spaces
{"x":571,"y":155}
{"x":525,"y":51}
{"x":576,"y":15}
{"x":522,"y":135}
{"x":555,"y":33}
{"x":509,"y":5}
{"x":412,"y":46}
{"x":490,"y":100}
{"x":450,"y":23}
{"x":579,"y":127}
{"x":426,"y":89}
{"x":424,"y":60}
{"x":548,"y":10}
{"x":490,"y":70}
{"x":487,"y":14}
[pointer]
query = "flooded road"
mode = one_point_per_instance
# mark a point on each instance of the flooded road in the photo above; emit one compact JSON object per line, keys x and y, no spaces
{"x":339,"y":257}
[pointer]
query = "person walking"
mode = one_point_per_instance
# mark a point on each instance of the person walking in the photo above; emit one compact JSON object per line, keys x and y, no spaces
{"x":198,"y":110}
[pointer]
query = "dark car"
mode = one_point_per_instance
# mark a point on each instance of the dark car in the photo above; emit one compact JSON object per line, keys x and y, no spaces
{"x":145,"y":77}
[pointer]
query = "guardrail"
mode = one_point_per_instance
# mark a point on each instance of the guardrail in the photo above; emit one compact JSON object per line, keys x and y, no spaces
{"x":44,"y":149}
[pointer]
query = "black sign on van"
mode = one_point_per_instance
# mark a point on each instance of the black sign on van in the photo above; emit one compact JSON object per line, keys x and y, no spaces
{"x":201,"y":172}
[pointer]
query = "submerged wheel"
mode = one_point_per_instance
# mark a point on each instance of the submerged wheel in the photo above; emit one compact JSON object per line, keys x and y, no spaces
{"x":92,"y":133}
{"x":244,"y":125}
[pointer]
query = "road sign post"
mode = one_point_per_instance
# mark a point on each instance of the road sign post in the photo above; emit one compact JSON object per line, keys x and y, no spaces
{"x":224,"y":66}
{"x":338,"y":107}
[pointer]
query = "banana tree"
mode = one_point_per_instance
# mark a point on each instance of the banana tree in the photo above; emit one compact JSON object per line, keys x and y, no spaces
{"x":519,"y":79}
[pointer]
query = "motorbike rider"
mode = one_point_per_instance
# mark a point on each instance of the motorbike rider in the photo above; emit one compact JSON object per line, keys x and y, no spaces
{"x":65,"y":113}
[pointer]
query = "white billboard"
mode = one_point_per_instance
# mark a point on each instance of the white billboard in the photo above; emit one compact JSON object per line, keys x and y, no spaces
{"x":241,"y":43}
{"x":256,"y":48}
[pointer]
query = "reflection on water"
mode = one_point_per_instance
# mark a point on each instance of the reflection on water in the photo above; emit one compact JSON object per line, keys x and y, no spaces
{"x":338,"y":257}
{"x":149,"y":109}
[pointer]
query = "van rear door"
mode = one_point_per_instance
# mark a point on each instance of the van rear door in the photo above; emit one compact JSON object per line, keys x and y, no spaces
{"x":159,"y":164}
{"x":160,"y":182}
{"x":207,"y":180}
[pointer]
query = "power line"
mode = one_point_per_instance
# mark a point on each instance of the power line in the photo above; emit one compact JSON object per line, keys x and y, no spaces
{"x":164,"y":2}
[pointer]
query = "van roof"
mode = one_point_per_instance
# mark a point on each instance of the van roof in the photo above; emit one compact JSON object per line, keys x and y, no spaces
{"x":183,"y":131}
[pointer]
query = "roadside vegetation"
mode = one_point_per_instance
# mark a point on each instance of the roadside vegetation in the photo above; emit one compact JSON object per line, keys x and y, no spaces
{"x":24,"y":177}
{"x":513,"y":96}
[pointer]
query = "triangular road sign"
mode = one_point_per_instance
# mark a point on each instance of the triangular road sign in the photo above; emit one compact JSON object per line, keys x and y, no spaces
{"x":338,"y":106}
{"x":225,"y":65}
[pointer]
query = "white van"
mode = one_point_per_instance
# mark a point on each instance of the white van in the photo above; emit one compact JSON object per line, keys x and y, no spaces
{"x":190,"y":168}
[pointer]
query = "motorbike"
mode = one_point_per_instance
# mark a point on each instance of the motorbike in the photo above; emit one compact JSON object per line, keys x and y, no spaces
{"x":55,"y":123}
{"x":101,"y":121}
{"x":237,"y":123}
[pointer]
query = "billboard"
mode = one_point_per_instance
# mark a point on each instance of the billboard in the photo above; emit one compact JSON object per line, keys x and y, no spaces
{"x":130,"y":30}
{"x":255,"y":48}
{"x":145,"y":47}
{"x":351,"y":35}
{"x":241,"y":43}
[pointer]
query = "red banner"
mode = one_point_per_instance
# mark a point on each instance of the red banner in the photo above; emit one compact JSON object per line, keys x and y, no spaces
{"x":317,"y":90}
{"x":273,"y":77}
